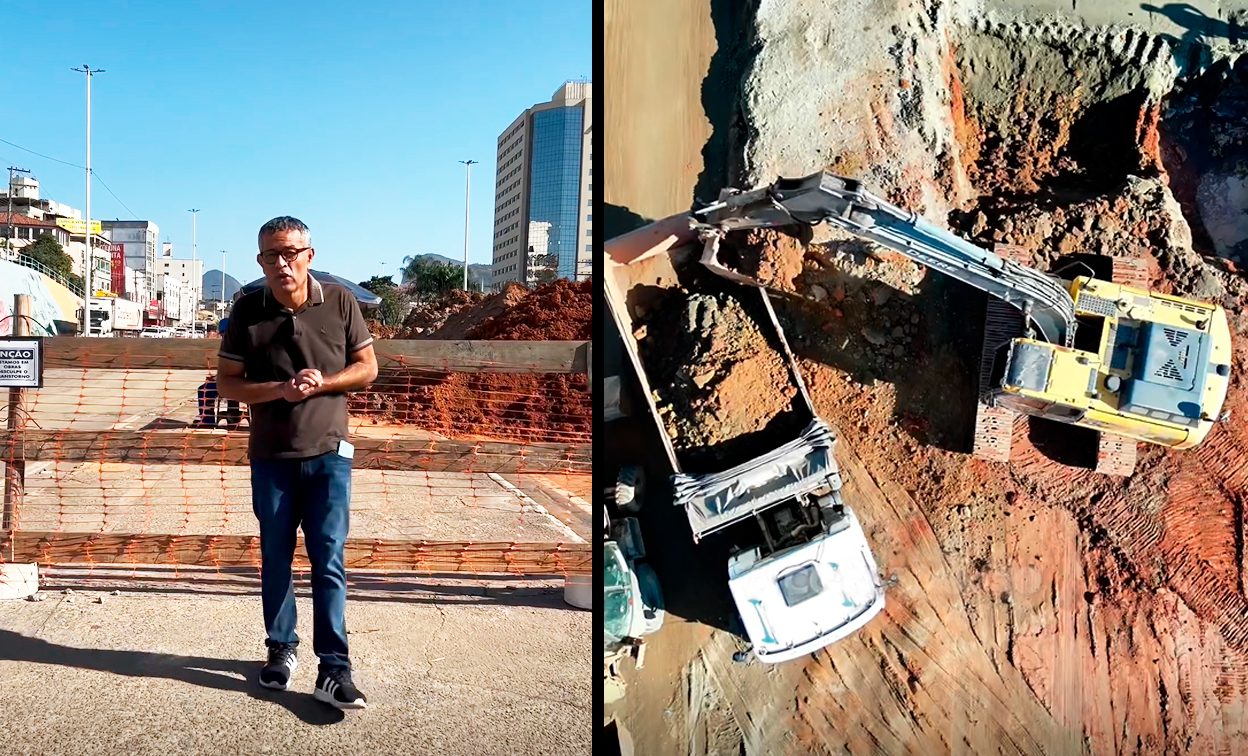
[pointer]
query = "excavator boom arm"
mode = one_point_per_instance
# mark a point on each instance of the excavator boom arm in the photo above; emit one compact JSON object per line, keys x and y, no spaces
{"x":826,"y":198}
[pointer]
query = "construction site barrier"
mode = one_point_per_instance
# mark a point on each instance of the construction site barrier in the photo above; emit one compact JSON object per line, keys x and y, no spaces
{"x":471,"y":457}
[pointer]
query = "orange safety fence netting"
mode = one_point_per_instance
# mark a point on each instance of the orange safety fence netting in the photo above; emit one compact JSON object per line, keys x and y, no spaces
{"x":470,"y":457}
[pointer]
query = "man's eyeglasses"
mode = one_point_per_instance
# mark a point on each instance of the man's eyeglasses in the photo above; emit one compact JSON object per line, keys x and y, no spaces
{"x":269,"y":256}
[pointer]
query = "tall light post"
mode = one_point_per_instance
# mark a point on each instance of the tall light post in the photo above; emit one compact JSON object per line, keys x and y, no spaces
{"x":194,"y":211}
{"x":223,"y":282}
{"x":467,"y":186}
{"x":89,"y":259}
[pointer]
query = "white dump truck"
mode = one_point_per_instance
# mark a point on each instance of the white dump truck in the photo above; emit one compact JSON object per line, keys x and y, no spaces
{"x":114,"y":316}
{"x":801,"y":573}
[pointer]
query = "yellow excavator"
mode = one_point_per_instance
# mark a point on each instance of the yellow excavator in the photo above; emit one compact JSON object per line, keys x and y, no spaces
{"x":1108,"y":355}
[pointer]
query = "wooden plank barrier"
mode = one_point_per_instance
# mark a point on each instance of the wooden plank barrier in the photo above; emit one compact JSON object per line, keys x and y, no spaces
{"x":201,"y":354}
{"x":188,"y":447}
{"x":213,"y":447}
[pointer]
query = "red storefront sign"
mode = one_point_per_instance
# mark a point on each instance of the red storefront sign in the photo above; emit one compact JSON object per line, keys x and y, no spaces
{"x":119,"y":269}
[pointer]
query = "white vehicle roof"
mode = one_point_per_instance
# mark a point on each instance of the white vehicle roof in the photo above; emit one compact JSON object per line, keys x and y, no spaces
{"x":715,"y":501}
{"x":798,"y":601}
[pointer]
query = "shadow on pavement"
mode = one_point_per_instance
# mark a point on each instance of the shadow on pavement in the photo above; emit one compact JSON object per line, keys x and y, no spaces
{"x":230,"y":675}
{"x":515,"y":591}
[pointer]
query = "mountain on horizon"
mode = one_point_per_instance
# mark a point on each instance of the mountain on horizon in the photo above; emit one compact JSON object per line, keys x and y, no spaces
{"x":212,"y":286}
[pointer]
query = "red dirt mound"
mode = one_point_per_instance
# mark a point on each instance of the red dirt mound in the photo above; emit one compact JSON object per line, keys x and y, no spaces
{"x":512,"y":406}
{"x":557,"y":311}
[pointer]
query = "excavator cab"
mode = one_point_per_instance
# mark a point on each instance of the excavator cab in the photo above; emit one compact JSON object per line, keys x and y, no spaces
{"x":1147,"y":366}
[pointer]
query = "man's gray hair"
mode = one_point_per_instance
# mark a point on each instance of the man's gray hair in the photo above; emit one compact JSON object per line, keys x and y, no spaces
{"x":283,"y":223}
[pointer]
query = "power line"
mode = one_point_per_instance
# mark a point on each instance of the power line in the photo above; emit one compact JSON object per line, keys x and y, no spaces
{"x":96,"y":174}
{"x":110,"y":191}
{"x":40,"y":154}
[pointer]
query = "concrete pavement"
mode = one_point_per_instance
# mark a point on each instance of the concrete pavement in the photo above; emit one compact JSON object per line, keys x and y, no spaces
{"x":168,"y":666}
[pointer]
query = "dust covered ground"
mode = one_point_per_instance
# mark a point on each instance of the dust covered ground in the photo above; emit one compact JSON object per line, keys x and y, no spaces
{"x":1039,"y":606}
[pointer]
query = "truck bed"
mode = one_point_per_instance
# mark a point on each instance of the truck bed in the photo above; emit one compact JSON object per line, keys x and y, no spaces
{"x":664,"y":278}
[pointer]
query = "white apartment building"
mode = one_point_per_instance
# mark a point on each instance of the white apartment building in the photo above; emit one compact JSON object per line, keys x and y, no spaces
{"x":190,"y":276}
{"x":66,"y":226}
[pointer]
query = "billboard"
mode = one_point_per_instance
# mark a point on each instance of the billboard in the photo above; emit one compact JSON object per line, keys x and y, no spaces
{"x":119,"y":269}
{"x":78,"y":225}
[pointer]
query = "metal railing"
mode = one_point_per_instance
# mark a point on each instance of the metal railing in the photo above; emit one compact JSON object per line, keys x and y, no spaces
{"x":30,"y":262}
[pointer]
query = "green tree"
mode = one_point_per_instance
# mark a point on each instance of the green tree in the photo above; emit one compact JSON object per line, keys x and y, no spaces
{"x":430,"y":278}
{"x":49,"y":253}
{"x":392,"y":299}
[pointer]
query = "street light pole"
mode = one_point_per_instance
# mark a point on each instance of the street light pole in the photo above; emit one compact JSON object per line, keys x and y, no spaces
{"x":467,"y":186}
{"x":194,"y":211}
{"x":223,"y":282}
{"x":89,"y":258}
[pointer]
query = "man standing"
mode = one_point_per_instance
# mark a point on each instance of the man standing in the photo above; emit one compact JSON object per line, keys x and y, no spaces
{"x":291,"y":351}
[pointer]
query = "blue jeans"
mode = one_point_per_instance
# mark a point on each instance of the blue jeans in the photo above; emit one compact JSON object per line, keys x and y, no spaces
{"x":316,"y":493}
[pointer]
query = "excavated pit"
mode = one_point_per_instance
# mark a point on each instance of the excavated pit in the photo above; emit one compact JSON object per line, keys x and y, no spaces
{"x":1204,"y":148}
{"x":1123,"y":595}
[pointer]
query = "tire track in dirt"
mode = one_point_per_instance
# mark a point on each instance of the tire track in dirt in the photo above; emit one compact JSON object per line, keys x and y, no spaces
{"x":923,"y":652}
{"x":1075,"y":646}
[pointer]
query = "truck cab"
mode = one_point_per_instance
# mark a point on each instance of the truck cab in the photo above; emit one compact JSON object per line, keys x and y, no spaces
{"x":803,"y":576}
{"x":632,"y":601}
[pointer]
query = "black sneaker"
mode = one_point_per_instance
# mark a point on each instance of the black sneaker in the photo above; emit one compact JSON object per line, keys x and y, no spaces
{"x":336,"y":689}
{"x":282,"y":663}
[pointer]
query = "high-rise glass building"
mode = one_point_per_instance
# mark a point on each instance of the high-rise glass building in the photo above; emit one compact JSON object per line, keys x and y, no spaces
{"x":542,"y":191}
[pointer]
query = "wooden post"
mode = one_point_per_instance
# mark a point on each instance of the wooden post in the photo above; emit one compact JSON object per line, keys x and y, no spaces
{"x":15,"y":469}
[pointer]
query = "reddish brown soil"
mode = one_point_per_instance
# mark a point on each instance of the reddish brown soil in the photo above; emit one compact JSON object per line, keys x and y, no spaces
{"x":716,"y":375}
{"x":557,"y":311}
{"x":769,"y":255}
{"x":510,"y":406}
{"x":455,"y":313}
{"x":1120,"y":602}
{"x":517,"y":407}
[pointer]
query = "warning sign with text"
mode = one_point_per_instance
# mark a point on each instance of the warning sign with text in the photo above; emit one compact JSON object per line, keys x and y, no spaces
{"x":21,"y":362}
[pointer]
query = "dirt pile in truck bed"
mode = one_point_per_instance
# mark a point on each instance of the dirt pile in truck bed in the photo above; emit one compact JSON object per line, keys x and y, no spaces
{"x":771,"y":256}
{"x":715,"y":375}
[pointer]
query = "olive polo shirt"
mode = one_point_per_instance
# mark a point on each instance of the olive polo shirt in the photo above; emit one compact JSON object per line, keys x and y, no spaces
{"x":274,"y":343}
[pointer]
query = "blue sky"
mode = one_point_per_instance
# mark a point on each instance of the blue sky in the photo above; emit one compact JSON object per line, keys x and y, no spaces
{"x":350,"y":116}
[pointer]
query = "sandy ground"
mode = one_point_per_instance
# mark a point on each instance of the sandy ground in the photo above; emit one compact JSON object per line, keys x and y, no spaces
{"x":656,"y":56}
